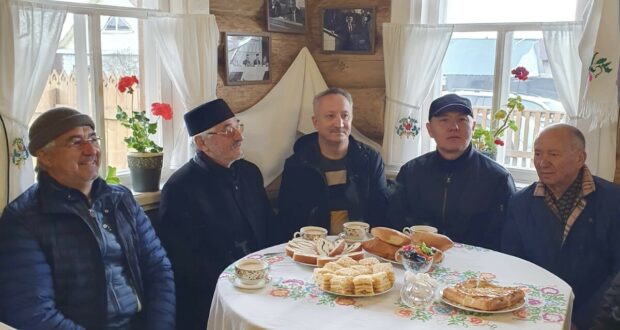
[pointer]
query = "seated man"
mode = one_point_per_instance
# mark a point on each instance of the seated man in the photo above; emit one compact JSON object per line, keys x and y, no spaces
{"x":76,"y":253}
{"x":331,"y":178}
{"x":455,"y":188}
{"x":213,"y":210}
{"x":569,"y":221}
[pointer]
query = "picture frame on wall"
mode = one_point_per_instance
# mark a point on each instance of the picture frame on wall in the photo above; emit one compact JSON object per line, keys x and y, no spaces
{"x":349,"y":30}
{"x":247,"y":58}
{"x":287,"y":16}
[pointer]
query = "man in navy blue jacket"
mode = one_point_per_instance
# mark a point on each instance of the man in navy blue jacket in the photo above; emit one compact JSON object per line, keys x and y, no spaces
{"x":76,"y":253}
{"x":569,"y":221}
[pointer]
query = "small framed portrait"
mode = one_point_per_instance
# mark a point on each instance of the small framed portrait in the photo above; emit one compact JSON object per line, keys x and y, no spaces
{"x":349,"y":30}
{"x":247,"y":58}
{"x":286,"y":16}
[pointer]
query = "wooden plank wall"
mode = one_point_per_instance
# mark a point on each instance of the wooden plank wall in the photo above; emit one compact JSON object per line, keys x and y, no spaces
{"x":362,"y":75}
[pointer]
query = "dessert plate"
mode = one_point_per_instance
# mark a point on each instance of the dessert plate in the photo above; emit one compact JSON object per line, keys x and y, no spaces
{"x":471,"y":309}
{"x":237,"y":283}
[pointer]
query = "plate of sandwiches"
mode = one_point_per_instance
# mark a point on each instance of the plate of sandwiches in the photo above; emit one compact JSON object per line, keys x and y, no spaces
{"x":352,"y":278}
{"x":321,"y":251}
{"x":483,"y":297}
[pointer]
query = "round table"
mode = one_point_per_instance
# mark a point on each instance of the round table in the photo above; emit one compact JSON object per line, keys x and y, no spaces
{"x":292,"y":301}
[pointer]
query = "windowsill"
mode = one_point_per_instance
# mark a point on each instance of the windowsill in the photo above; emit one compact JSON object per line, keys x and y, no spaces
{"x":148,"y":200}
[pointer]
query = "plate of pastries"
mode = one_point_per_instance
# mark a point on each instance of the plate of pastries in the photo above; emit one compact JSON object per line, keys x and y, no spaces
{"x":483,"y":297}
{"x":352,"y":278}
{"x":387,"y":243}
{"x":321,"y":251}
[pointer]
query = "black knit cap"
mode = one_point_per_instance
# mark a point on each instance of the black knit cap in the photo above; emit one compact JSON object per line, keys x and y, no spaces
{"x":206,"y":116}
{"x":450,"y":102}
{"x":53,"y":123}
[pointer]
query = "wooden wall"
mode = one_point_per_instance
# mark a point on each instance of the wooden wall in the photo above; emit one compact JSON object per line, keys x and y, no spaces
{"x":362,"y":75}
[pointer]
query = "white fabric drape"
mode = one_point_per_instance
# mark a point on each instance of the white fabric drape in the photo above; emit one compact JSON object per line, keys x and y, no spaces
{"x":187,"y":45}
{"x":562,"y":46}
{"x":32,"y":44}
{"x":412,"y":56}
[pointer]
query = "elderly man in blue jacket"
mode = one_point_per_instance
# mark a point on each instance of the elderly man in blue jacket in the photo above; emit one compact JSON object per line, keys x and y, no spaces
{"x":76,"y":253}
{"x":569,"y":221}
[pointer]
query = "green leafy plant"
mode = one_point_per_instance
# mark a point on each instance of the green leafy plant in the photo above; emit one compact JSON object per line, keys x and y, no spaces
{"x":140,"y":125}
{"x":487,"y":139}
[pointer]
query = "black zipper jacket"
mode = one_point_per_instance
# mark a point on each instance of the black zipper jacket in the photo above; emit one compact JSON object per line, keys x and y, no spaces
{"x":464,"y":198}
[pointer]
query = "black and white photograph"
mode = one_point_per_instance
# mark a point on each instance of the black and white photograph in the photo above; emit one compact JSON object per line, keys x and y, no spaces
{"x":247,"y":58}
{"x":349,"y":30}
{"x":286,"y":16}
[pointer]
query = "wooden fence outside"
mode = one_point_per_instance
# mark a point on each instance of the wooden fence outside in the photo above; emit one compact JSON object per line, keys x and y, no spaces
{"x":520,"y":145}
{"x":61,"y":90}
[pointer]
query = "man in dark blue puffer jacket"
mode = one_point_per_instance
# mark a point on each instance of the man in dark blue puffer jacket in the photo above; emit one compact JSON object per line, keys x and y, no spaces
{"x":76,"y":253}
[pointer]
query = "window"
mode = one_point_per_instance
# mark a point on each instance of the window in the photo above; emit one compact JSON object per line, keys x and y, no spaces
{"x":86,"y":55}
{"x":480,"y":57}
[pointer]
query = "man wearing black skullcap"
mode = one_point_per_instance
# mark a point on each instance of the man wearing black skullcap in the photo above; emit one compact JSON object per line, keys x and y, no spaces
{"x":213,"y":210}
{"x":454,"y":188}
{"x":76,"y":253}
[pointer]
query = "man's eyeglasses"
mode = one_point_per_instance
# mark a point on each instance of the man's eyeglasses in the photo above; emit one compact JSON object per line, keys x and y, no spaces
{"x":229,"y":131}
{"x":78,"y":143}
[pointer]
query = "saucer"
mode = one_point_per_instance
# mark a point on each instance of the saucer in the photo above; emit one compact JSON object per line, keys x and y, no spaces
{"x":237,"y":283}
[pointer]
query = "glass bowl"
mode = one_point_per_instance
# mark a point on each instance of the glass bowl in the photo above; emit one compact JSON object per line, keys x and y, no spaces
{"x":415,"y":266}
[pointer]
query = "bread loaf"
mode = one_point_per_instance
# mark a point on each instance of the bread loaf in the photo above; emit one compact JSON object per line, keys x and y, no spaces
{"x":441,"y":242}
{"x":483,"y":295}
{"x":380,"y":248}
{"x":390,"y":236}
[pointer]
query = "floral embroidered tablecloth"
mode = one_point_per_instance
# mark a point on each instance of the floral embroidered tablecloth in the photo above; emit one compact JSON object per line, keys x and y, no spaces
{"x":292,"y":301}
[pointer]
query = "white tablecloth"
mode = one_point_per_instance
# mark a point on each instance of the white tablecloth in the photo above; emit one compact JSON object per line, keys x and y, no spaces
{"x":292,"y":301}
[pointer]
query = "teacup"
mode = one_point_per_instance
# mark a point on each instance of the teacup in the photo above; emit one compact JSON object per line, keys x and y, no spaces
{"x":409,"y":230}
{"x":311,"y":233}
{"x":251,"y":271}
{"x":356,"y":230}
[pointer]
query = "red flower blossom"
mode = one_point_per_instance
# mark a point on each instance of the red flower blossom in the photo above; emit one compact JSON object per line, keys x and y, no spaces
{"x":520,"y":73}
{"x":499,"y":142}
{"x":162,"y":109}
{"x":126,"y":83}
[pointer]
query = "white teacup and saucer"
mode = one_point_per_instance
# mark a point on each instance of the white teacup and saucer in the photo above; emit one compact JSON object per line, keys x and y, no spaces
{"x":250,"y":274}
{"x":355,"y":231}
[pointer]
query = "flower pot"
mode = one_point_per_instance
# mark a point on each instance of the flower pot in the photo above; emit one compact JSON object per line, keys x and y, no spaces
{"x":145,"y":170}
{"x":490,"y":153}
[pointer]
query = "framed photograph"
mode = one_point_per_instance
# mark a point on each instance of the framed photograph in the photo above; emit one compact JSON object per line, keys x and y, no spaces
{"x":247,"y":58}
{"x":349,"y":30}
{"x":286,"y":16}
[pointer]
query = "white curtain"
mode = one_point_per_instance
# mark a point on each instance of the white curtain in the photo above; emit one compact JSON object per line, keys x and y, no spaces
{"x":412,"y":55}
{"x":28,"y":53}
{"x":187,"y":45}
{"x":599,"y":50}
{"x":562,"y":46}
{"x":271,"y":125}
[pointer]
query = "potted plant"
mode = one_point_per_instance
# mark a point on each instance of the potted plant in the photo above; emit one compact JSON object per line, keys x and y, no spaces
{"x":487,"y":139}
{"x":145,"y":163}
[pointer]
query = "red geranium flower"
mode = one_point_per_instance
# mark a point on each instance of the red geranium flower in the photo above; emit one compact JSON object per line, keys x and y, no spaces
{"x":126,"y":83}
{"x":499,"y":142}
{"x":162,"y":109}
{"x":520,"y":73}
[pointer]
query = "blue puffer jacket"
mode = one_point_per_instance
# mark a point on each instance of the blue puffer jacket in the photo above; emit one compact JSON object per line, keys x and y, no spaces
{"x":51,"y":270}
{"x":589,"y":257}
